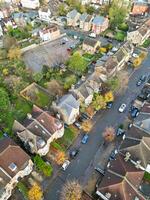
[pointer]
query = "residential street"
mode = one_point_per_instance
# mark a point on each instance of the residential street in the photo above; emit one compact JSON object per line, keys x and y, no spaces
{"x":111,"y":117}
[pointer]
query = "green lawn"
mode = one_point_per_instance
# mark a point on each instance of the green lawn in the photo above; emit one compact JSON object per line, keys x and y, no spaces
{"x":67,"y":138}
{"x":42,"y":99}
{"x":88,"y":56}
{"x":57,"y":146}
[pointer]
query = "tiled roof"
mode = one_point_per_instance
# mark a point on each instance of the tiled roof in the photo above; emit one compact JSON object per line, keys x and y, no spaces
{"x":121,"y":180}
{"x":90,"y":42}
{"x":110,"y":64}
{"x":12,"y":153}
{"x":98,"y":20}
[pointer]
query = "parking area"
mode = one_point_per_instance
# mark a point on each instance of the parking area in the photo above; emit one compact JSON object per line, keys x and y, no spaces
{"x":51,"y":54}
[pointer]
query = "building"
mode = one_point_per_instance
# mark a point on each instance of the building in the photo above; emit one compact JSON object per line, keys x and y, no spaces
{"x":68,"y":108}
{"x":44,"y":14}
{"x":14,"y":165}
{"x":140,"y":7}
{"x":49,"y":33}
{"x":38,"y":130}
{"x":137,"y":37}
{"x":86,"y":22}
{"x":73,"y":18}
{"x":100,"y":24}
{"x":31,"y":4}
{"x":121,"y":181}
{"x":90,"y":45}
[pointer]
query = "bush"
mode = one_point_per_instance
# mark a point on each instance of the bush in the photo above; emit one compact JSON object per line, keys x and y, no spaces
{"x":146,"y":43}
{"x":123,"y":27}
{"x":120,"y":36}
{"x":147,"y":176}
{"x":42,"y":166}
{"x":23,"y":189}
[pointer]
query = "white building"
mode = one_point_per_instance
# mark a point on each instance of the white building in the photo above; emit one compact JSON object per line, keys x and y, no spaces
{"x":44,"y":14}
{"x":31,"y":4}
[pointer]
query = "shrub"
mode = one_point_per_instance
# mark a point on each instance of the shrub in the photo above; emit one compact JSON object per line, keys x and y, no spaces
{"x":23,"y":189}
{"x":146,"y":43}
{"x":42,"y":166}
{"x":123,"y":27}
{"x":120,"y":36}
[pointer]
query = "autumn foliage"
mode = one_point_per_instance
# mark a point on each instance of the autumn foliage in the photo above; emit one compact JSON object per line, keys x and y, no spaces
{"x":72,"y":190}
{"x":109,"y":134}
{"x":109,"y":97}
{"x":35,"y":193}
{"x":87,"y":125}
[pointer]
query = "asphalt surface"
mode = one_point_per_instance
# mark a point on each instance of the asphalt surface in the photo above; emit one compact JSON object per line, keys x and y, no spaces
{"x":112,"y":117}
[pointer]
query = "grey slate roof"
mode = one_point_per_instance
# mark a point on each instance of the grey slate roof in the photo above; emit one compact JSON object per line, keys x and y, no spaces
{"x":67,"y":103}
{"x":98,"y":20}
{"x":72,"y":14}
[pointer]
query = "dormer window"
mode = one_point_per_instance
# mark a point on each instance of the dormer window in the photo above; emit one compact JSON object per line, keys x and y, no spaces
{"x":36,"y":126}
{"x":42,"y":120}
{"x":12,"y":167}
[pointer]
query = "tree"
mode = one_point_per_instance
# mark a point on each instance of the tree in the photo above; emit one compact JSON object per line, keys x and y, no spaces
{"x":62,"y":11}
{"x":14,"y":53}
{"x":35,"y":193}
{"x":55,"y":88}
{"x":109,"y":134}
{"x":117,"y":13}
{"x":9,"y":42}
{"x":90,"y":9}
{"x":72,"y":190}
{"x":77,"y":63}
{"x":98,"y":102}
{"x":60,"y":157}
{"x":109,"y":97}
{"x":113,"y":83}
{"x":69,"y":81}
{"x":90,"y":110}
{"x":37,"y":77}
{"x":87,"y":126}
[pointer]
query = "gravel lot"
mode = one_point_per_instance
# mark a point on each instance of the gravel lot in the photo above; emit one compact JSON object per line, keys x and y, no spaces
{"x":50,"y":54}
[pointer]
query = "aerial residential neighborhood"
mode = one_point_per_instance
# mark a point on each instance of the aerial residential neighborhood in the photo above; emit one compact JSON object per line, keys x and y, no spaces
{"x":75,"y":99}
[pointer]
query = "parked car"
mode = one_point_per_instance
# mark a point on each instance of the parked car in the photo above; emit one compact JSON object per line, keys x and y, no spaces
{"x":122,"y":108}
{"x":81,"y":119}
{"x":86,"y":115}
{"x":134,"y":112}
{"x":139,"y":82}
{"x":113,"y":154}
{"x":101,"y":171}
{"x":77,"y":125}
{"x":65,"y":164}
{"x":92,"y":35}
{"x":74,"y":153}
{"x":85,"y":139}
{"x":109,"y":104}
{"x":66,"y":125}
{"x":143,"y":78}
{"x":120,"y":131}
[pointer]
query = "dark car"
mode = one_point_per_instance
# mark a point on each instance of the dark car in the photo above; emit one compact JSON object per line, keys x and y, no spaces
{"x":143,"y":78}
{"x":74,"y":153}
{"x":109,"y":104}
{"x":112,"y":155}
{"x":101,"y":171}
{"x":66,"y":125}
{"x":142,"y":97}
{"x":120,"y":131}
{"x":139,"y":82}
{"x":134,"y":112}
{"x":85,"y":116}
{"x":85,"y":139}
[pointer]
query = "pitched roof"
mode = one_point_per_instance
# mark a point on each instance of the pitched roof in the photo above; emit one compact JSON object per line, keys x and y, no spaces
{"x":67,"y":103}
{"x":40,"y":125}
{"x":143,"y":122}
{"x":139,"y":149}
{"x":83,"y":16}
{"x":72,"y":14}
{"x":110,"y":64}
{"x":90,"y":42}
{"x":146,"y":108}
{"x":12,"y":154}
{"x":98,"y":20}
{"x":121,"y":180}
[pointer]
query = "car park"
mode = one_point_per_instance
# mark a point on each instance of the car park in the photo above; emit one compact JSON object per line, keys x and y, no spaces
{"x":77,"y":125}
{"x":85,"y":139}
{"x":65,"y":164}
{"x":122,"y":108}
{"x":73,"y":153}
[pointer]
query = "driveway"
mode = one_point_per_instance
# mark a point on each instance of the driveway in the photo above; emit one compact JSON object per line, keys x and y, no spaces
{"x":111,"y":117}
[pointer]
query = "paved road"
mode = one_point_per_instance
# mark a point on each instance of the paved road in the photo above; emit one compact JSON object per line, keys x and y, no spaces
{"x":112,"y":117}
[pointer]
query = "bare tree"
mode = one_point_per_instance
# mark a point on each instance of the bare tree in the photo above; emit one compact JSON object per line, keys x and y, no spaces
{"x":72,"y":190}
{"x":55,"y":88}
{"x":87,"y":126}
{"x":109,"y":134}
